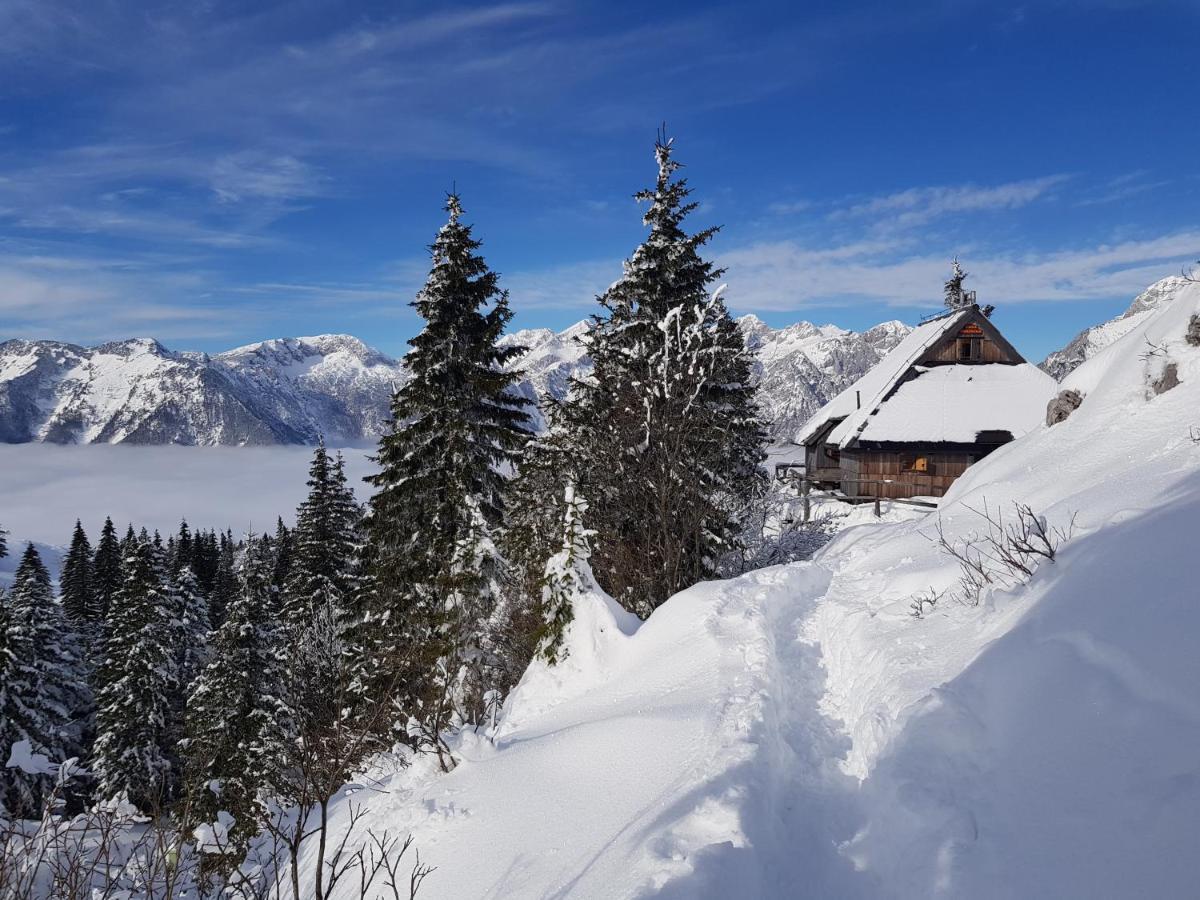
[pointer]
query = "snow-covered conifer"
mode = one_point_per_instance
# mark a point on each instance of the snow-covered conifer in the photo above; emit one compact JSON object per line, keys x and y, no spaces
{"x":43,"y":687}
{"x":666,"y":429}
{"x":224,"y":580}
{"x":956,"y":297}
{"x":282,"y":552}
{"x":106,"y":568}
{"x":138,"y":683}
{"x":76,"y":583}
{"x":457,"y":424}
{"x":237,"y":717}
{"x":324,"y":542}
{"x":567,"y":575}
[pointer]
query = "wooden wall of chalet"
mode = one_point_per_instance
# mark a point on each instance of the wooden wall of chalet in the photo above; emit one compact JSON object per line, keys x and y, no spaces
{"x":990,"y":345}
{"x":859,"y":467}
{"x":989,"y":352}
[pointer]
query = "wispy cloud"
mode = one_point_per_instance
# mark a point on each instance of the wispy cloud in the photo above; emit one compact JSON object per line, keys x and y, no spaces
{"x":920,"y":205}
{"x":1121,"y":188}
{"x":787,"y":276}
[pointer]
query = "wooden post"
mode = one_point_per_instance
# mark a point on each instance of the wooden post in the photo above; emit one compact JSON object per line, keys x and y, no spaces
{"x":805,"y":487}
{"x":877,"y":512}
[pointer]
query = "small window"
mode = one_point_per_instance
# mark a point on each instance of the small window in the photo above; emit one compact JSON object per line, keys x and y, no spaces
{"x":919,"y":464}
{"x":968,"y":348}
{"x":832,"y":453}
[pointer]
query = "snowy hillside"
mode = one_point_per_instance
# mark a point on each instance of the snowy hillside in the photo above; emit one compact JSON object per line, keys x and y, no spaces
{"x":799,"y":732}
{"x":293,"y":390}
{"x":1092,"y":340}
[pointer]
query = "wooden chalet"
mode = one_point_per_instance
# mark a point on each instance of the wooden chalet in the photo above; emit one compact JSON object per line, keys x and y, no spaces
{"x":948,"y":395}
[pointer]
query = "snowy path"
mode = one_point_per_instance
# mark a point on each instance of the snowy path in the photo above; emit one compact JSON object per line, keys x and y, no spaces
{"x":696,"y":765}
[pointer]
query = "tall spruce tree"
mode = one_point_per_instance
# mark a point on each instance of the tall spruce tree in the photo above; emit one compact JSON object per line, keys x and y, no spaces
{"x":456,"y":426}
{"x":665,"y":432}
{"x":237,"y":715}
{"x":43,"y":687}
{"x":77,"y":582}
{"x":283,"y":551}
{"x":106,"y":568}
{"x":134,"y":753}
{"x":224,"y":580}
{"x":324,"y":543}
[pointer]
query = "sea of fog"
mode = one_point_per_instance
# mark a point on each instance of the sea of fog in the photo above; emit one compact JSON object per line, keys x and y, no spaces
{"x":44,"y":488}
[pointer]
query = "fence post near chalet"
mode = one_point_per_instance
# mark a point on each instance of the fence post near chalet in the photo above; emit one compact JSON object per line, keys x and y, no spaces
{"x":805,"y":487}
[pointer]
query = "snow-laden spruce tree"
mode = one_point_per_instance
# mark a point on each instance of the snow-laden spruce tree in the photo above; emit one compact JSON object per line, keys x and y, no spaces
{"x":282,"y":553}
{"x":237,"y":717}
{"x":43,"y":686}
{"x":666,"y":430}
{"x":324,"y":667}
{"x":224,"y":580}
{"x":456,"y":426}
{"x":568,"y":575}
{"x":955,"y":296}
{"x":324,"y":543}
{"x":76,"y":582}
{"x":134,"y":751}
{"x":106,"y":568}
{"x":531,"y":536}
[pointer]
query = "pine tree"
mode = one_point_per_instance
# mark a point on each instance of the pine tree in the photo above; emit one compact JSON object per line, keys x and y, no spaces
{"x":324,"y":543}
{"x":181,"y":549}
{"x":134,"y":751}
{"x":283,"y":551}
{"x":568,"y":574}
{"x":43,"y":693}
{"x":665,"y":431}
{"x":956,"y":297}
{"x":76,"y":581}
{"x":225,"y":581}
{"x":106,"y":569}
{"x":205,"y":553}
{"x":456,"y":425}
{"x":237,"y":717}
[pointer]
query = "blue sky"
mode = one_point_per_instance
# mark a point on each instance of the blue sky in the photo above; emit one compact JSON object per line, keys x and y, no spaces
{"x":214,"y":173}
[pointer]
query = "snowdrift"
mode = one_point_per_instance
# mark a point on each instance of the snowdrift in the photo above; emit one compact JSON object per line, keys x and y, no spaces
{"x":798,"y":732}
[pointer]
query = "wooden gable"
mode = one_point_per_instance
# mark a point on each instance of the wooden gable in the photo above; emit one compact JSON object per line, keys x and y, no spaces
{"x":973,"y":340}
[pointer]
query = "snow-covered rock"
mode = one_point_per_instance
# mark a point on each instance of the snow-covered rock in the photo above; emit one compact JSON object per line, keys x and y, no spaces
{"x":1092,"y":340}
{"x":295,"y":390}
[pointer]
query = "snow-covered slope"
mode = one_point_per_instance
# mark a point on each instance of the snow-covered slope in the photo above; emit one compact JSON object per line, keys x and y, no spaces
{"x":293,"y":390}
{"x":1092,"y":340}
{"x":797,"y":732}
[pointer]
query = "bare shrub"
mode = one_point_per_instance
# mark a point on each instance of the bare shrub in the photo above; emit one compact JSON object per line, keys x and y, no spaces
{"x":1005,"y":553}
{"x":924,"y":601}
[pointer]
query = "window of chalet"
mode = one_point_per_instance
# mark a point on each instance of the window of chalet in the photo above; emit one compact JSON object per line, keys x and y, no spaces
{"x":970,"y":349}
{"x":921,"y":465}
{"x":832,"y":453}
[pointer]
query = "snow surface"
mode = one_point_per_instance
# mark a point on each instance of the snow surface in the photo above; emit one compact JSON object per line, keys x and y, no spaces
{"x":797,"y":732}
{"x":954,"y":403}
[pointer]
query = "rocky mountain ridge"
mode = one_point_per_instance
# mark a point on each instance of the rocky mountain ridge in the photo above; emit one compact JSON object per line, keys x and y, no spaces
{"x":295,"y":390}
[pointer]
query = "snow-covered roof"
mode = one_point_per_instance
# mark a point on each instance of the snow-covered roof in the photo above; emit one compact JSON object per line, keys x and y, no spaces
{"x":874,"y":386}
{"x":954,"y":403}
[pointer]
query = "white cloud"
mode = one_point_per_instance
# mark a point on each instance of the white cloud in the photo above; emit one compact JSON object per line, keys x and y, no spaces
{"x":786,"y":275}
{"x":919,"y":205}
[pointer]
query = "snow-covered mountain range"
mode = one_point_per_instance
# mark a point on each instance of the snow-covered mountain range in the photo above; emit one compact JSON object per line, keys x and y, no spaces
{"x":1091,"y":341}
{"x":294,"y":390}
